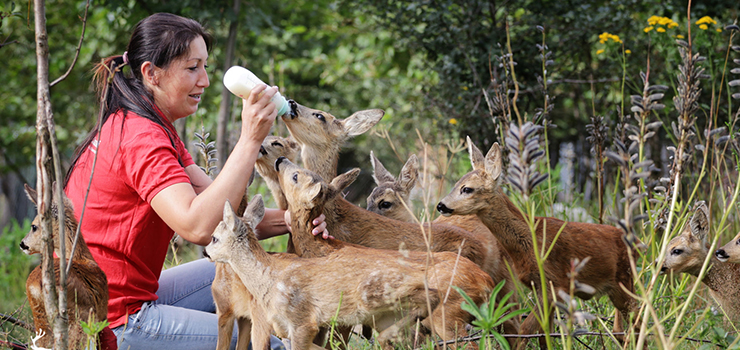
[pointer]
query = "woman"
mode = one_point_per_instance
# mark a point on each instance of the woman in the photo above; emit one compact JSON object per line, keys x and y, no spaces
{"x":146,"y":186}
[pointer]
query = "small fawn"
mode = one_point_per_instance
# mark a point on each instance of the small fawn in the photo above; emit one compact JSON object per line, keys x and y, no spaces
{"x":321,"y":136}
{"x":686,"y":254}
{"x":307,"y":194}
{"x":233,"y":300}
{"x":87,"y":286}
{"x":730,"y":252}
{"x":388,"y":199}
{"x":608,"y":270}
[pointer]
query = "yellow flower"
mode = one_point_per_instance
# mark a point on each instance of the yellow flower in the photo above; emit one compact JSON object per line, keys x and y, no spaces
{"x":604,"y":37}
{"x":672,"y":24}
{"x":599,"y":52}
{"x":647,"y":29}
{"x":453,"y":121}
{"x":628,"y":51}
{"x":703,"y":27}
{"x":465,"y":88}
{"x":653,"y":20}
{"x":679,"y":36}
{"x":660,"y":30}
{"x":706,"y":20}
{"x":719,"y":30}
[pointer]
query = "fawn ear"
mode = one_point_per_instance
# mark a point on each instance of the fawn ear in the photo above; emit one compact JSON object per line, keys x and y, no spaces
{"x":409,"y":174}
{"x":229,"y":217}
{"x":31,"y":193}
{"x":341,"y":182}
{"x":700,"y":221}
{"x":493,"y":161}
{"x":313,"y":192}
{"x":476,"y":156}
{"x":360,"y":122}
{"x":380,"y":174}
{"x":255,"y":211}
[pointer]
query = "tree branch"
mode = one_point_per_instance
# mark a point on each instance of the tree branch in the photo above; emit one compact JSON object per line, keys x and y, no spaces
{"x":77,"y":52}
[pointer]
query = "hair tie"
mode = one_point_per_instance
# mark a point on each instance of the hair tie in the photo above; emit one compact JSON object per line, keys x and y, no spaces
{"x":125,"y":57}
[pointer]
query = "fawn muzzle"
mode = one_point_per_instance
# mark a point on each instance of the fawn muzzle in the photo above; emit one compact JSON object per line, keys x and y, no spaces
{"x":443,"y":209}
{"x":277,"y":163}
{"x":721,"y":254}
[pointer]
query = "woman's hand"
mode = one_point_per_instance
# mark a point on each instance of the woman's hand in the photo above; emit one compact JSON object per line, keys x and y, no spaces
{"x":258,"y":113}
{"x":318,"y":229}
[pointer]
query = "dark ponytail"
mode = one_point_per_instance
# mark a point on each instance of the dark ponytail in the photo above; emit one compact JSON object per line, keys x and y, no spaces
{"x":160,"y":39}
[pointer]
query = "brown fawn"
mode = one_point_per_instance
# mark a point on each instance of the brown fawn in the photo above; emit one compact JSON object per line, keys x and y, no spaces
{"x":307,"y":194}
{"x":321,"y":136}
{"x":233,"y":300}
{"x":87,"y":286}
{"x":686,"y":254}
{"x":608,"y":270}
{"x":730,"y":252}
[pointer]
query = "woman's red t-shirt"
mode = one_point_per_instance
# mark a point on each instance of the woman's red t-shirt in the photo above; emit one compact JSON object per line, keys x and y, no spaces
{"x":127,"y":238}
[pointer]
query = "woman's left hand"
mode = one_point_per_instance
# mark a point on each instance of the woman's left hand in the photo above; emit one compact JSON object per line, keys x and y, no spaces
{"x":319,"y":226}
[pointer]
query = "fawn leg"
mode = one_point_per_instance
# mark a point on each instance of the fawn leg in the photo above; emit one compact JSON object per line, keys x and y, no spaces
{"x":302,"y":338}
{"x":245,"y":333}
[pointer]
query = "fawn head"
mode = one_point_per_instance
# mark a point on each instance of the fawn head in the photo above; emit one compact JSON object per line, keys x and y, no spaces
{"x":305,"y":189}
{"x":233,"y":233}
{"x":477,"y":189}
{"x":730,"y":252}
{"x":32,"y":243}
{"x":387,"y":198}
{"x":318,"y":128}
{"x":274,"y":147}
{"x":687,"y":251}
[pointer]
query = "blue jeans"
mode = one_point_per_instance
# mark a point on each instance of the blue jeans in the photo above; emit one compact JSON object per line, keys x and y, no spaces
{"x":183,"y":318}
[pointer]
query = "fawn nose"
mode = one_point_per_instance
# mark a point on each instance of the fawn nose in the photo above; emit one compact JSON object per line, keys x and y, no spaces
{"x":205,"y":254}
{"x":293,"y":109}
{"x":721,"y":254}
{"x":277,"y":163}
{"x":444,"y":209}
{"x":23,"y":245}
{"x":263,"y":151}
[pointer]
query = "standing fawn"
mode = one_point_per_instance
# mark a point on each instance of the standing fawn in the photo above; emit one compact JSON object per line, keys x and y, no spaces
{"x":321,"y":136}
{"x":730,"y":252}
{"x":233,"y":300}
{"x":608,"y":270}
{"x":686,"y":254}
{"x":391,"y":198}
{"x":307,"y":194}
{"x":87,"y":286}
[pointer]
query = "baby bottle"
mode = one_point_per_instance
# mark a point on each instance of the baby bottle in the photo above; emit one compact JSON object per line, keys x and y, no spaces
{"x":240,"y":81}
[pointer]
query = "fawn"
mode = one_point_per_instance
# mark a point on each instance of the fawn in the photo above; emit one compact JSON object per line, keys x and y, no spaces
{"x":686,"y":254}
{"x":321,"y":136}
{"x":608,"y":271}
{"x":730,"y":252}
{"x":87,"y":286}
{"x":307,"y":194}
{"x":233,"y":300}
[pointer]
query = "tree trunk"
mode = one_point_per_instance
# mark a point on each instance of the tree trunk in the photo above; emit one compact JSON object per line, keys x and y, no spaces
{"x":44,"y":163}
{"x":222,"y":134}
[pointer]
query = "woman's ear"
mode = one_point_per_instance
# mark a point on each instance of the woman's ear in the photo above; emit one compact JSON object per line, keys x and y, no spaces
{"x":149,"y":74}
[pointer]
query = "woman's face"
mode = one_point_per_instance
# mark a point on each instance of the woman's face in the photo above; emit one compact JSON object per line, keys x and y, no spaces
{"x":178,"y":88}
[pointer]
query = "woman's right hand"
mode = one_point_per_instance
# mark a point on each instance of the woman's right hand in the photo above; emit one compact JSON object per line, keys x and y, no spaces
{"x":258,"y":113}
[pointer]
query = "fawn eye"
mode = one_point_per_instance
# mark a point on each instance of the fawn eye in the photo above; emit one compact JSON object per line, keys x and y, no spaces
{"x":738,"y":242}
{"x":466,"y":190}
{"x":676,"y":251}
{"x":214,"y":239}
{"x":295,"y":177}
{"x":384,"y":205}
{"x":34,"y":228}
{"x":276,"y":144}
{"x":319,"y":116}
